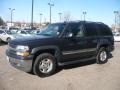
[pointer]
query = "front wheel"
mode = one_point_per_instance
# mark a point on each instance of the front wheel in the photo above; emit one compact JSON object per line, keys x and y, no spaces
{"x":44,"y":65}
{"x":8,"y":39}
{"x":102,"y":56}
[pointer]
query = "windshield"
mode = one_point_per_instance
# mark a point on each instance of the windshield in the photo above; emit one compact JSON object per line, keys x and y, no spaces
{"x":53,"y":30}
{"x":10,"y":32}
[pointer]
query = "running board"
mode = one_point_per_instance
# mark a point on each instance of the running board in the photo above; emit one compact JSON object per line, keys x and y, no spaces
{"x":75,"y":62}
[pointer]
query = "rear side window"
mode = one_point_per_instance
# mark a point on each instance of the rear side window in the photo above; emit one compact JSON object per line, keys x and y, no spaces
{"x":90,"y":29}
{"x":104,"y":30}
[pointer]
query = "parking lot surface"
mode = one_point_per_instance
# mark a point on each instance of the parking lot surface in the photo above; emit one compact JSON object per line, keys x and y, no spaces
{"x":83,"y":76}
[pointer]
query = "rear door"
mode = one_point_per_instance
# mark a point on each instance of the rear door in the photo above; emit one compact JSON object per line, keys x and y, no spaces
{"x":91,"y":37}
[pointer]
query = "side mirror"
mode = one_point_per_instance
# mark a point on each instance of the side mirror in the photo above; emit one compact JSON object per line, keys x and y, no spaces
{"x":69,"y":34}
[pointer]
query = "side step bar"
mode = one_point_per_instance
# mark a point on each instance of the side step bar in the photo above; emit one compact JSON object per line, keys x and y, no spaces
{"x":75,"y":61}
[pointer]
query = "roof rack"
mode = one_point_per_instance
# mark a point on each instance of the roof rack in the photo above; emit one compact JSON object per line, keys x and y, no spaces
{"x":82,"y":21}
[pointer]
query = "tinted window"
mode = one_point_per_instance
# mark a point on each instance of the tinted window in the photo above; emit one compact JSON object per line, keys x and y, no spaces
{"x":76,"y":29}
{"x":23,"y":32}
{"x":91,"y":29}
{"x":104,"y":30}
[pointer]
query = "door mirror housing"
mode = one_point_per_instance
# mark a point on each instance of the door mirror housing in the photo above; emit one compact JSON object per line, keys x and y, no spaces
{"x":69,"y":34}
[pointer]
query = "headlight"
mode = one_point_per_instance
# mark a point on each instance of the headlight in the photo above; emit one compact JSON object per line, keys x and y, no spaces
{"x":22,"y":48}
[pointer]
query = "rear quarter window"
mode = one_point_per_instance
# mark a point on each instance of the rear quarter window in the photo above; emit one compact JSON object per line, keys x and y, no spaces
{"x":104,"y":30}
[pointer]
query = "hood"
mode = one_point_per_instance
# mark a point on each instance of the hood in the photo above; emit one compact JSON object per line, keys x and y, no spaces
{"x":28,"y":39}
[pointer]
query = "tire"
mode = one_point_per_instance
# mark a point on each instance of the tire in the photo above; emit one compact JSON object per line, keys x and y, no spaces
{"x":102,"y":56}
{"x":44,"y":65}
{"x":8,"y":39}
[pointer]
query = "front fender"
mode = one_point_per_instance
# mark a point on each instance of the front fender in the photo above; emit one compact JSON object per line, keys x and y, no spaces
{"x":58,"y":53}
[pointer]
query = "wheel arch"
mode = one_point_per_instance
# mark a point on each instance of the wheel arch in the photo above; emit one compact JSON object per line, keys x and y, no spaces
{"x":54,"y":50}
{"x":104,"y":43}
{"x":8,"y":38}
{"x":106,"y":46}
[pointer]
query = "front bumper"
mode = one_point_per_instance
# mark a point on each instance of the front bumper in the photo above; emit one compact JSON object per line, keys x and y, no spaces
{"x":24,"y":65}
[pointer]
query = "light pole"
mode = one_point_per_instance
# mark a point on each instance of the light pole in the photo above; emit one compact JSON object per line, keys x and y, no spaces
{"x":116,"y":13}
{"x":32,"y":14}
{"x":119,"y":17}
{"x":11,"y":12}
{"x":84,"y":13}
{"x":40,"y":18}
{"x":60,"y":15}
{"x":50,"y":10}
{"x":45,"y":20}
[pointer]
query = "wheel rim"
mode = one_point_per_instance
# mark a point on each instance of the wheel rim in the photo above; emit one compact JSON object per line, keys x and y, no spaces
{"x":46,"y":65}
{"x":103,"y":56}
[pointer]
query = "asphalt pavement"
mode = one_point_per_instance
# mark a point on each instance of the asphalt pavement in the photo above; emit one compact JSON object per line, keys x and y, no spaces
{"x":83,"y":76}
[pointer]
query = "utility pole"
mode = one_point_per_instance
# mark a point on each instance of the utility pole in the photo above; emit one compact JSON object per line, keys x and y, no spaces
{"x":84,"y":13}
{"x":60,"y":15}
{"x":32,"y":14}
{"x":50,"y":10}
{"x":11,"y":12}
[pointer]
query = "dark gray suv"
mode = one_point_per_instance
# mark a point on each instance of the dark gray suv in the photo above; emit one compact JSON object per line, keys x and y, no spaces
{"x":61,"y":44}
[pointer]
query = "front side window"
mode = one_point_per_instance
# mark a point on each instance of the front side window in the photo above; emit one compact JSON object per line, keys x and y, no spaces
{"x":76,"y":29}
{"x":53,"y":30}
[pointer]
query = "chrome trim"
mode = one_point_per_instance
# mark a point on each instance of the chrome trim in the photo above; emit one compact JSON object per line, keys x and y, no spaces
{"x":78,"y":51}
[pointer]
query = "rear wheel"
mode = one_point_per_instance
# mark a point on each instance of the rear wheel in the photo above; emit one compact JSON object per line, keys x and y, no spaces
{"x":44,"y":65}
{"x":102,"y":56}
